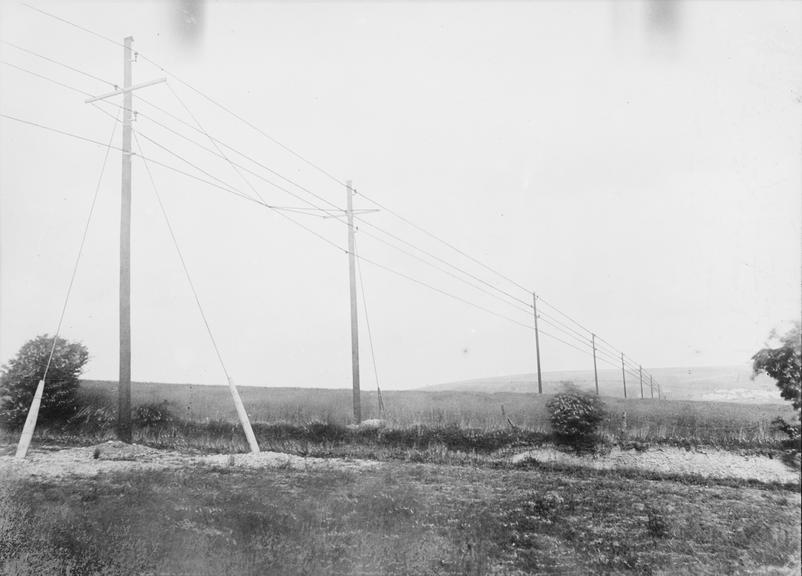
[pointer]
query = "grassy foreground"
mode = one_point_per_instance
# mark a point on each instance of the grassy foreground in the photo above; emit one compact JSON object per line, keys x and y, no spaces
{"x":397,"y":519}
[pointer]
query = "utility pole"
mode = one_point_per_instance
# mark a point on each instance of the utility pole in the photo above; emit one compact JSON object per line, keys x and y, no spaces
{"x":354,"y":317}
{"x":640,"y":370}
{"x":124,"y":385}
{"x":651,"y":385}
{"x":124,"y":393}
{"x":624,"y":374}
{"x":595,"y":371}
{"x":537,"y":346}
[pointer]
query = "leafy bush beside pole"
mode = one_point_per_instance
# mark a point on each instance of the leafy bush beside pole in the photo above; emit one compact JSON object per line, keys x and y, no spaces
{"x":19,"y":378}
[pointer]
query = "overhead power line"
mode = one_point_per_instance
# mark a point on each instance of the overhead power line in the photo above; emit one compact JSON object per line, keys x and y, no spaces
{"x":62,"y":64}
{"x":47,"y":78}
{"x":78,"y":26}
{"x":183,"y":262}
{"x":288,"y":149}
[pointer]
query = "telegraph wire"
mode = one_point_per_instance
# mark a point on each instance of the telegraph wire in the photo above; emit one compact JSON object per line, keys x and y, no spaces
{"x":62,"y":64}
{"x":80,"y":250}
{"x":87,"y":30}
{"x":444,"y":271}
{"x":446,"y":243}
{"x":362,"y":220}
{"x":204,"y":131}
{"x":361,"y":258}
{"x":180,"y":157}
{"x":229,"y":147}
{"x":449,"y":264}
{"x":181,"y":258}
{"x":546,"y":315}
{"x":43,"y":77}
{"x":237,"y":166}
{"x":226,"y":158}
{"x":264,"y":134}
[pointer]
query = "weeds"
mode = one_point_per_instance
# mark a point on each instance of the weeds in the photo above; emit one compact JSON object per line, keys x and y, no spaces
{"x":718,"y":424}
{"x":656,"y":523}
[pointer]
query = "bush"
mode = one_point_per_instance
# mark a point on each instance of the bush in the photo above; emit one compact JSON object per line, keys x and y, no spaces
{"x":575,"y":417}
{"x":19,"y":378}
{"x":152,"y":415}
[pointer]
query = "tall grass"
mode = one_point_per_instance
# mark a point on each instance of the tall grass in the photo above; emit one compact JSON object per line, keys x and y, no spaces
{"x":716,"y":423}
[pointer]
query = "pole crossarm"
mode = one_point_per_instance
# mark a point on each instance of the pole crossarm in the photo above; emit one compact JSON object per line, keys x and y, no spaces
{"x":125,"y":90}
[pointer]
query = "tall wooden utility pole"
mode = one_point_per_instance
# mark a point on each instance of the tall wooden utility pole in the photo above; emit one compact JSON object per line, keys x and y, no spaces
{"x":537,"y":346}
{"x":640,"y":370}
{"x":651,"y":385}
{"x":124,"y":387}
{"x":124,"y":394}
{"x":624,"y":374}
{"x":595,"y":371}
{"x":354,"y":317}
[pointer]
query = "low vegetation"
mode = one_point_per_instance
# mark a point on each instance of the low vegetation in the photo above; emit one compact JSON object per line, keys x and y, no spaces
{"x":397,"y":519}
{"x":62,"y":360}
{"x":419,"y":425}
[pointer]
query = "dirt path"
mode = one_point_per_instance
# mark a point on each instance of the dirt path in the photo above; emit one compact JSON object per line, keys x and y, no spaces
{"x":710,"y":463}
{"x":115,"y":456}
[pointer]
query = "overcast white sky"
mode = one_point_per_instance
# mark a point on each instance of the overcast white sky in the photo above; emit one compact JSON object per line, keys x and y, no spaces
{"x":637,"y":163}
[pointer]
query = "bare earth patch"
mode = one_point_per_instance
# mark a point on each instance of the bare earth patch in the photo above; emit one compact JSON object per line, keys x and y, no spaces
{"x":115,"y":456}
{"x":707,"y":462}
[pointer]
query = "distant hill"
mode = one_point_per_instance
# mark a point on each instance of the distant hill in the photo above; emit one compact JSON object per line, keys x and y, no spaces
{"x":714,"y":383}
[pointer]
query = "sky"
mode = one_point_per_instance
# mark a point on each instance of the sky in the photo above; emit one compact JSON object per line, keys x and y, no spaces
{"x":635,"y":163}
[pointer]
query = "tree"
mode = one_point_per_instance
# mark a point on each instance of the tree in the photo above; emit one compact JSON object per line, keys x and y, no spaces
{"x":19,"y":378}
{"x":784,"y":364}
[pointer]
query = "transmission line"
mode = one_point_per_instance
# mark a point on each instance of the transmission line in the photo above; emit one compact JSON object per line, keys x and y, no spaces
{"x":288,"y":149}
{"x":57,"y":62}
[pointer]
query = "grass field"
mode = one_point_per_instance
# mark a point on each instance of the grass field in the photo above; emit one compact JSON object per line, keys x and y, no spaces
{"x":719,"y":423}
{"x":399,"y":519}
{"x":734,"y":383}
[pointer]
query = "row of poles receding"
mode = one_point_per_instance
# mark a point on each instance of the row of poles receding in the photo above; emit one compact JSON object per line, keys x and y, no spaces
{"x":124,"y":427}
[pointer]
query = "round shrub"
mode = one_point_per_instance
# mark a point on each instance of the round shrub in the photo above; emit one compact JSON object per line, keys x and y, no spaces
{"x":20,"y":377}
{"x":147,"y":415}
{"x":575,"y":417}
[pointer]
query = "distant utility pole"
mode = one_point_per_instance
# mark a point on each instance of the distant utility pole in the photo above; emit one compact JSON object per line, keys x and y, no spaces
{"x":537,"y":346}
{"x":354,"y":318}
{"x":124,"y":387}
{"x":624,"y":374}
{"x":651,"y":385}
{"x":640,"y":370}
{"x":595,"y":371}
